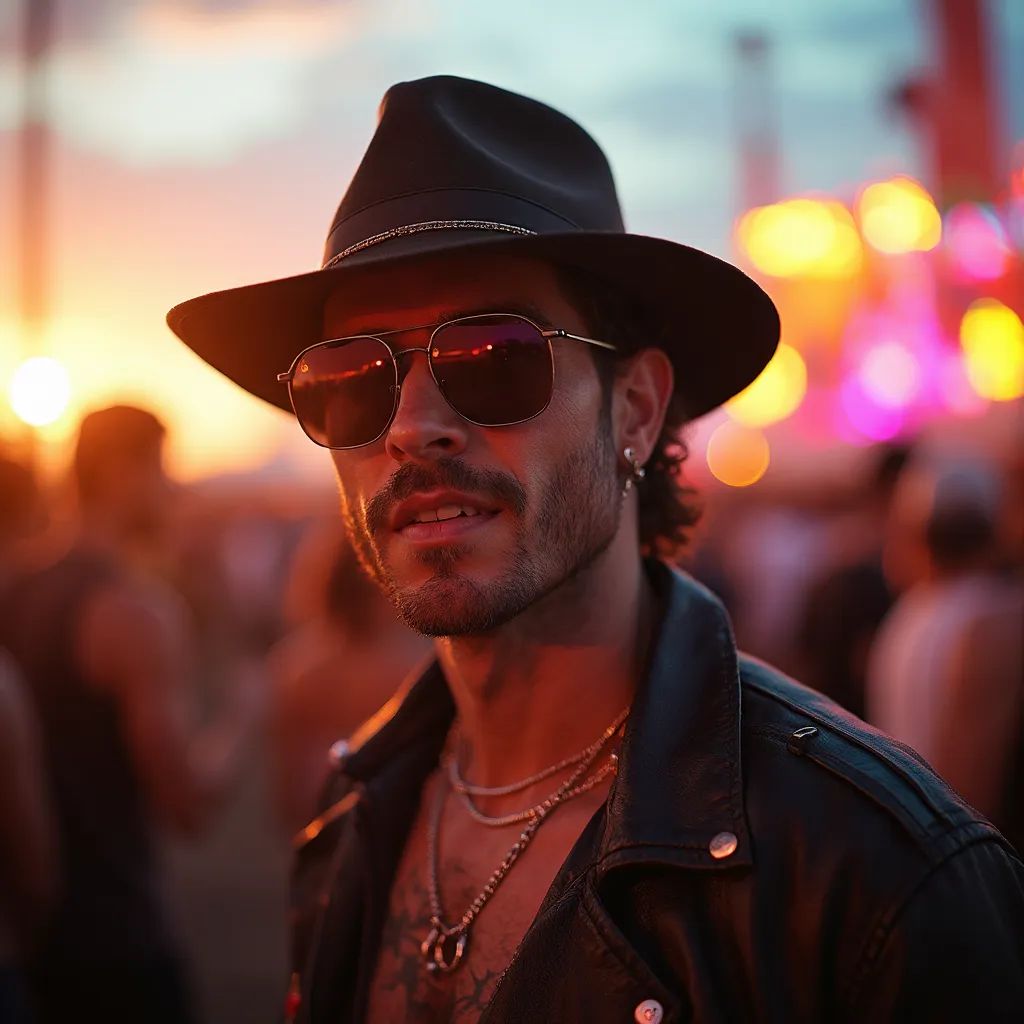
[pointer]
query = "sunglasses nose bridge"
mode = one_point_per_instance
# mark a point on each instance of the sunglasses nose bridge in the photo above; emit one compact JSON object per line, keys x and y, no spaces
{"x":401,"y":372}
{"x":408,"y":352}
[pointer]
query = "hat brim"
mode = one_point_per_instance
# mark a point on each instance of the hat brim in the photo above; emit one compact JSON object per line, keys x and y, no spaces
{"x":721,"y":329}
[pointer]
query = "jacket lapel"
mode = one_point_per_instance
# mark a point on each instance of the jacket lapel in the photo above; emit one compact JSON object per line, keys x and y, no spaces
{"x":680,"y":782}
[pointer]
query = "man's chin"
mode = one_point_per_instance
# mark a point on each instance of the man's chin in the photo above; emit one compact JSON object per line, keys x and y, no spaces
{"x":455,"y":605}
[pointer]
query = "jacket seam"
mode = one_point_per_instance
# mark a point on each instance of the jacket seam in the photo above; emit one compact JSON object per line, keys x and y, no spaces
{"x":727,"y":658}
{"x":888,"y":920}
{"x":856,"y":740}
{"x":912,"y":827}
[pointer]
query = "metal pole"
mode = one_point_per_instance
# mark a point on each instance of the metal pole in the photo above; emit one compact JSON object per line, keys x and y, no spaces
{"x":756,"y":121}
{"x":33,"y":172}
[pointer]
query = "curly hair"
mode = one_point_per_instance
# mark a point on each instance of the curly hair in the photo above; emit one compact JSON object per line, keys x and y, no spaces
{"x":668,"y":507}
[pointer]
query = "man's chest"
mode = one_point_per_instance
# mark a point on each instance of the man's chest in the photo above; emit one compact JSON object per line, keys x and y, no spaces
{"x":403,"y":988}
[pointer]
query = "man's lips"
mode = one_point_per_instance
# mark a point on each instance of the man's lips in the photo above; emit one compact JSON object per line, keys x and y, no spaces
{"x":441,"y":509}
{"x":446,"y":531}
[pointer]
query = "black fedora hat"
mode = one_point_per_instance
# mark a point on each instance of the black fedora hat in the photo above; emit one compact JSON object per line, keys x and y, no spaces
{"x":459,"y":166}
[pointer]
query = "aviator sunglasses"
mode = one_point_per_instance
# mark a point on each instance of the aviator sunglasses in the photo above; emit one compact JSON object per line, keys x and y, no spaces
{"x":493,"y":369}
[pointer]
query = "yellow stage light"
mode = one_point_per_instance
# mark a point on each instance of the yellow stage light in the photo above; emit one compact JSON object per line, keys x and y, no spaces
{"x":39,"y":391}
{"x":899,"y":216}
{"x":801,"y":238}
{"x":992,"y":337}
{"x":737,"y":456}
{"x":775,"y":394}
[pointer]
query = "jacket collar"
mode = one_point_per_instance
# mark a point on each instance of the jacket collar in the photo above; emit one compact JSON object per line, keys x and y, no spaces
{"x":679,"y":792}
{"x":678,"y":798}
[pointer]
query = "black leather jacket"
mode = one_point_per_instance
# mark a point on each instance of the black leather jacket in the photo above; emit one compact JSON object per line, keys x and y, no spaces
{"x":861,"y":888}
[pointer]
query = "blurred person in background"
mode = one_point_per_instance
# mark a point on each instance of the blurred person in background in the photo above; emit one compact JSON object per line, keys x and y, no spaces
{"x":946,"y":673}
{"x":346,"y":655}
{"x":590,"y":806}
{"x":105,"y":649}
{"x":27,"y":841}
{"x":845,"y":605}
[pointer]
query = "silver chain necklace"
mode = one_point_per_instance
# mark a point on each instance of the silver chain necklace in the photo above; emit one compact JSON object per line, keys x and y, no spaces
{"x":460,"y":785}
{"x":445,"y":945}
{"x":531,"y":812}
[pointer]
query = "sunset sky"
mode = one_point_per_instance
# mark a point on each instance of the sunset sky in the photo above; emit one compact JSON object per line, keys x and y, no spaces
{"x":201,"y":144}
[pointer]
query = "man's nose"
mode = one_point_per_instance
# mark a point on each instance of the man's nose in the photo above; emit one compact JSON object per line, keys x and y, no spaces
{"x":425,"y":425}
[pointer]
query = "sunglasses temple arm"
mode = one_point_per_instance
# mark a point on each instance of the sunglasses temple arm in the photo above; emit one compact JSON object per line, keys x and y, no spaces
{"x":577,"y":337}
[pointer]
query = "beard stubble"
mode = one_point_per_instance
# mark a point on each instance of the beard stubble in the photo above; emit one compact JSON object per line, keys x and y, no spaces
{"x":577,"y":518}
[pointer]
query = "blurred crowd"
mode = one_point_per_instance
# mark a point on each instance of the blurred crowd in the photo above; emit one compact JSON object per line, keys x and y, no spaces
{"x":177,"y":665}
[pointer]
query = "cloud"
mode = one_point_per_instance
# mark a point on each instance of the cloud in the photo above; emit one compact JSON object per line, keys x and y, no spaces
{"x":193,"y":82}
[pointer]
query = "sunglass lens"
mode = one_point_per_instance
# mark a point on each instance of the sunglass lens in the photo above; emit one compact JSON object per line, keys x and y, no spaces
{"x":493,"y":370}
{"x":344,"y":393}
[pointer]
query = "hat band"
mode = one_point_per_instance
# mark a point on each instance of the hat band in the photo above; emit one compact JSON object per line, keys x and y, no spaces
{"x":426,"y":225}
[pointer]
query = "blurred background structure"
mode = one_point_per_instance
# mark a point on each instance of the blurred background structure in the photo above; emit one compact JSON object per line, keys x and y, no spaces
{"x":863,"y":159}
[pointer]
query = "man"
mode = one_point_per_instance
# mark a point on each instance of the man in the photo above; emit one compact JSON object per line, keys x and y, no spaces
{"x":843,"y":607}
{"x":947,"y":668}
{"x":589,"y":808}
{"x":103,"y":647}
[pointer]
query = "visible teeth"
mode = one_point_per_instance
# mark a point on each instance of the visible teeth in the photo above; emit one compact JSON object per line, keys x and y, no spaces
{"x":433,"y":515}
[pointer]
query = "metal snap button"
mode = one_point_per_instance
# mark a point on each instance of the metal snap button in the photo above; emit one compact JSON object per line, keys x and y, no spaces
{"x":337,"y":753}
{"x":650,"y":1011}
{"x":723,"y":845}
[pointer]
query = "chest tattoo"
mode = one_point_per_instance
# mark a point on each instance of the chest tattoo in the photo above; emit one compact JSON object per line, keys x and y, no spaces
{"x":403,"y":990}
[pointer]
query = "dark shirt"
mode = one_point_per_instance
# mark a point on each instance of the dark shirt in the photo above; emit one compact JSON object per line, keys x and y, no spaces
{"x":109,"y":912}
{"x":841,"y":615}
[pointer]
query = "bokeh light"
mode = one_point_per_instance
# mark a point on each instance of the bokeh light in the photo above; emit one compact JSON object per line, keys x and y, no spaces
{"x":39,"y":391}
{"x":801,"y":238}
{"x":737,"y":456}
{"x":976,"y":241}
{"x":890,"y":374}
{"x":868,"y":417}
{"x":899,"y":216}
{"x":775,"y":394}
{"x":955,"y":390}
{"x":992,"y":338}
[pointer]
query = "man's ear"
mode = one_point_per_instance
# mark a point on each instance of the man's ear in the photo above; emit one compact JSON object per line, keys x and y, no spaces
{"x":643,"y":388}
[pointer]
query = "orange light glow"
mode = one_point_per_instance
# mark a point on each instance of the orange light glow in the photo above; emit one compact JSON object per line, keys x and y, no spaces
{"x":992,"y":338}
{"x":775,"y":394}
{"x":899,"y":216}
{"x":213,"y":426}
{"x":801,"y":238}
{"x":737,"y":456}
{"x":39,"y":391}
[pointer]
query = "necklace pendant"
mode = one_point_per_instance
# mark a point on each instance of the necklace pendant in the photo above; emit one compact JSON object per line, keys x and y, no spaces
{"x":443,"y":951}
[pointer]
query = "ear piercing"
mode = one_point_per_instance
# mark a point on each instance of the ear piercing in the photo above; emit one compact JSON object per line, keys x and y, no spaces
{"x":637,"y":471}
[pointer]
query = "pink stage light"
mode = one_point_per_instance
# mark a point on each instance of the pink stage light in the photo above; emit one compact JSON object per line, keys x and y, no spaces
{"x":957,"y":394}
{"x":867,"y":416}
{"x":890,"y":375}
{"x":976,"y":241}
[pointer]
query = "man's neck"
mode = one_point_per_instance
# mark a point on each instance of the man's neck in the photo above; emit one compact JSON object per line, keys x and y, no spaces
{"x":545,"y":685}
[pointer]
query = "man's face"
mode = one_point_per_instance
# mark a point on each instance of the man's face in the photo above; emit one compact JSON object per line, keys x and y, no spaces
{"x":543,"y":496}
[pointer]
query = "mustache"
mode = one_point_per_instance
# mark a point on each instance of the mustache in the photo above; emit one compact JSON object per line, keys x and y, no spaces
{"x":407,"y":480}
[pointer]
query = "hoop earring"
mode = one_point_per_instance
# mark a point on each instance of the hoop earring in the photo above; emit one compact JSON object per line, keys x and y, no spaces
{"x":636,"y":470}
